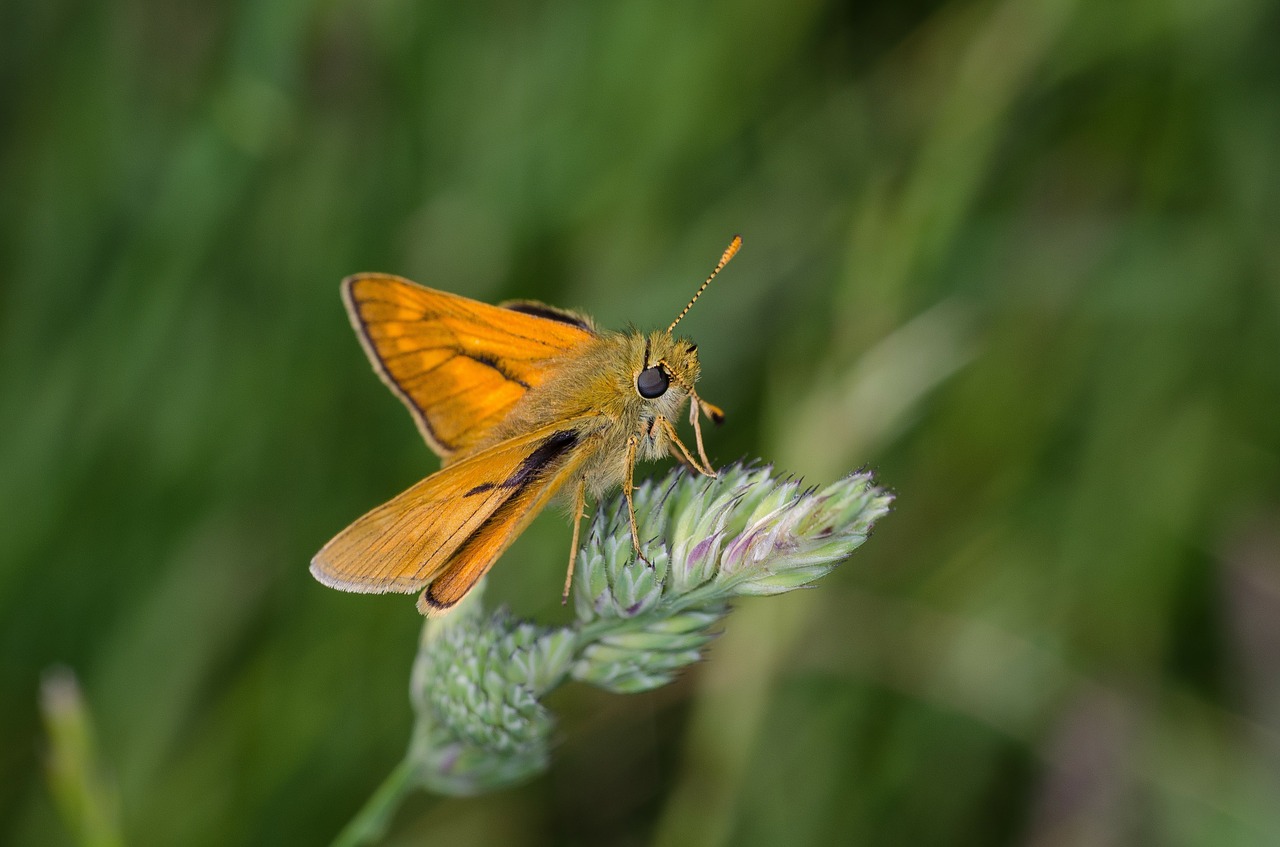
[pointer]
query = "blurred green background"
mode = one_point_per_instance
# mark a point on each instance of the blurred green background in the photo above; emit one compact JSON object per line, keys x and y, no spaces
{"x":1021,"y":258}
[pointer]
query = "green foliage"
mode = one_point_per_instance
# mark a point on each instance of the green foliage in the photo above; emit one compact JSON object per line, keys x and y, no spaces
{"x":1018,"y":257}
{"x":75,"y":774}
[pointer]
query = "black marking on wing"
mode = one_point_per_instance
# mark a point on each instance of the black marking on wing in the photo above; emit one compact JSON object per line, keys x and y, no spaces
{"x":356,"y":305}
{"x":489,"y":361}
{"x":379,"y":365}
{"x":431,"y":430}
{"x":438,"y":605}
{"x":551,"y":313}
{"x":535,"y":464}
{"x":513,"y":305}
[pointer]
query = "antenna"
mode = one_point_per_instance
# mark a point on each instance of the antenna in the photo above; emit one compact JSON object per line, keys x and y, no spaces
{"x":729,"y":253}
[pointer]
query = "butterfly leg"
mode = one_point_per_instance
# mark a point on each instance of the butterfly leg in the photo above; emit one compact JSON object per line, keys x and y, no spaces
{"x":694,"y":407}
{"x":696,"y":404}
{"x":685,"y":463}
{"x":579,"y":502}
{"x":670,"y":431}
{"x":627,"y":485}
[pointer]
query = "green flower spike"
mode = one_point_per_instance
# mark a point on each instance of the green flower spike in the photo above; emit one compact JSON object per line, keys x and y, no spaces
{"x":475,"y":686}
{"x":707,"y":541}
{"x":478,"y":678}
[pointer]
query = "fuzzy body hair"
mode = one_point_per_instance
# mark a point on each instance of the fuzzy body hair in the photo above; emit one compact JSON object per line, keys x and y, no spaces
{"x":596,"y":389}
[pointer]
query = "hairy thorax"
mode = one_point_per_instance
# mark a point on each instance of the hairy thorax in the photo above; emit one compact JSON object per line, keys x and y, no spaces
{"x":594,"y":392}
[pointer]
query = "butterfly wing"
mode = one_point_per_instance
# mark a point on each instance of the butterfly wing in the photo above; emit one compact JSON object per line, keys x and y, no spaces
{"x":444,"y":533}
{"x":458,"y":365}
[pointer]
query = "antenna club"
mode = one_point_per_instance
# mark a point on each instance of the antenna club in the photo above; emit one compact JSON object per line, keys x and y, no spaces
{"x":729,"y":252}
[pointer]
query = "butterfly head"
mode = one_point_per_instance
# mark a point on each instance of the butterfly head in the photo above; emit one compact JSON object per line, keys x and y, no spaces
{"x":667,"y":370}
{"x":669,"y":367}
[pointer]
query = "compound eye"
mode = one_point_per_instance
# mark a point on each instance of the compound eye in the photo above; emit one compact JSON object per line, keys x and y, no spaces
{"x":652,"y":382}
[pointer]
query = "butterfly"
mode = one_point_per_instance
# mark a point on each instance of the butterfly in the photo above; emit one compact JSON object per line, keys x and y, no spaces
{"x":520,"y":401}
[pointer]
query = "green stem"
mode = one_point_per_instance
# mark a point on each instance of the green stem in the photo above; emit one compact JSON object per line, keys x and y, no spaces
{"x":370,"y":823}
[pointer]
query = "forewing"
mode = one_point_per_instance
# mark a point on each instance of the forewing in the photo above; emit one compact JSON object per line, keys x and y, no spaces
{"x":477,"y":554}
{"x":455,"y":522}
{"x":457,"y":364}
